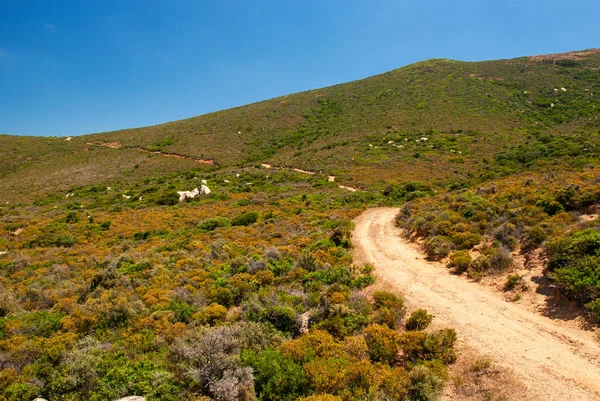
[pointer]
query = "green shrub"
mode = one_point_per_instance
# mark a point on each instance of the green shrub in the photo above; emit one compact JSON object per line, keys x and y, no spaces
{"x":276,"y":377}
{"x":71,"y":217}
{"x":501,"y":259}
{"x":460,"y":261}
{"x":382,"y":343}
{"x":419,"y":320}
{"x":168,"y":198}
{"x":182,"y":310}
{"x":594,"y":308}
{"x":424,"y":384}
{"x":213,"y":223}
{"x":512,"y":281}
{"x":214,"y":313}
{"x":245,"y":219}
{"x":42,"y":323}
{"x":533,"y":237}
{"x":389,"y":317}
{"x":437,"y":247}
{"x":385,"y":299}
{"x":420,"y":346}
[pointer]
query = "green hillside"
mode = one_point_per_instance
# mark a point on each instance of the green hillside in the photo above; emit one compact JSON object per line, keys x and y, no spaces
{"x":478,"y":109}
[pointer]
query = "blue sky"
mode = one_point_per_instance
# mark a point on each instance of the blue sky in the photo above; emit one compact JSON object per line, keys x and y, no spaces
{"x":74,"y":67}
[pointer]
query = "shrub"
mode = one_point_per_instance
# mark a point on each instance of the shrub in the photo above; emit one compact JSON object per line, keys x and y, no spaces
{"x":307,"y":262}
{"x":321,"y":397}
{"x":389,"y":309}
{"x":389,"y":317}
{"x":394,"y":383}
{"x":419,"y":320}
{"x":328,"y":375}
{"x":384,"y":299}
{"x":276,"y":377}
{"x":382,"y":343}
{"x":214,"y":313}
{"x":212,"y":223}
{"x":506,"y":234}
{"x":420,"y":346}
{"x":512,"y":281}
{"x":265,"y":277}
{"x":245,"y":219}
{"x":501,"y":258}
{"x":424,"y":384}
{"x":594,"y":308}
{"x":480,"y":264}
{"x":182,"y":310}
{"x":533,"y":237}
{"x":168,"y":198}
{"x":71,"y":217}
{"x":437,"y":247}
{"x":460,"y":261}
{"x":42,"y":323}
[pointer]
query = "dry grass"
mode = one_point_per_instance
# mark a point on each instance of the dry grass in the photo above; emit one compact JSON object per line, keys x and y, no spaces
{"x":477,"y":377}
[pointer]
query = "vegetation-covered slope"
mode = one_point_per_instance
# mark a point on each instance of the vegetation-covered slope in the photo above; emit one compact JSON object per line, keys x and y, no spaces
{"x":469,"y":112}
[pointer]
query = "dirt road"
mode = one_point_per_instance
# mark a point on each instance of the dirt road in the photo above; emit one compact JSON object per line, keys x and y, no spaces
{"x":553,"y":360}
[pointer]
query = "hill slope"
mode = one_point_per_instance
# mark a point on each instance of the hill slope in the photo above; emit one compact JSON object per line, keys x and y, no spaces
{"x":467,"y":111}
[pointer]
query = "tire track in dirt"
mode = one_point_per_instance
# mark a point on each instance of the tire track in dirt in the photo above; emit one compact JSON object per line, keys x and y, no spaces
{"x":554,"y":361}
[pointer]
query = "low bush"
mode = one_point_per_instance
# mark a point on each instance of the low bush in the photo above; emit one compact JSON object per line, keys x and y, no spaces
{"x":533,"y":237}
{"x":419,"y":320}
{"x":276,"y":377}
{"x":213,"y":223}
{"x":460,"y":261}
{"x":424,"y":384}
{"x":512,"y":281}
{"x":382,"y":343}
{"x":245,"y":219}
{"x":501,"y":259}
{"x":437,"y":247}
{"x":420,"y":346}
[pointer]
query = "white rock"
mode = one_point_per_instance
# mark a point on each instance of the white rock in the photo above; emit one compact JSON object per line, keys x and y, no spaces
{"x":132,"y":398}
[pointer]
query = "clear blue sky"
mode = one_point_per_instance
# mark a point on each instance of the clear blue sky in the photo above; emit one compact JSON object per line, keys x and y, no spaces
{"x":71,"y":67}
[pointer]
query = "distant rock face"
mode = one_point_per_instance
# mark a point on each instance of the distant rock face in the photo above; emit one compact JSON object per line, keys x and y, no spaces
{"x":132,"y":398}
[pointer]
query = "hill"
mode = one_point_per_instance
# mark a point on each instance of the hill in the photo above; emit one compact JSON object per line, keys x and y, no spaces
{"x":362,"y":131}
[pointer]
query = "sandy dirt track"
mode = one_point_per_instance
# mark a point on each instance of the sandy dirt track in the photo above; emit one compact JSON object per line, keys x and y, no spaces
{"x":553,"y":360}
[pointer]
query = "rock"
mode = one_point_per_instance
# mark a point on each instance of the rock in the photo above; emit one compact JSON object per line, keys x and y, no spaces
{"x":40,"y":399}
{"x":132,"y":398}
